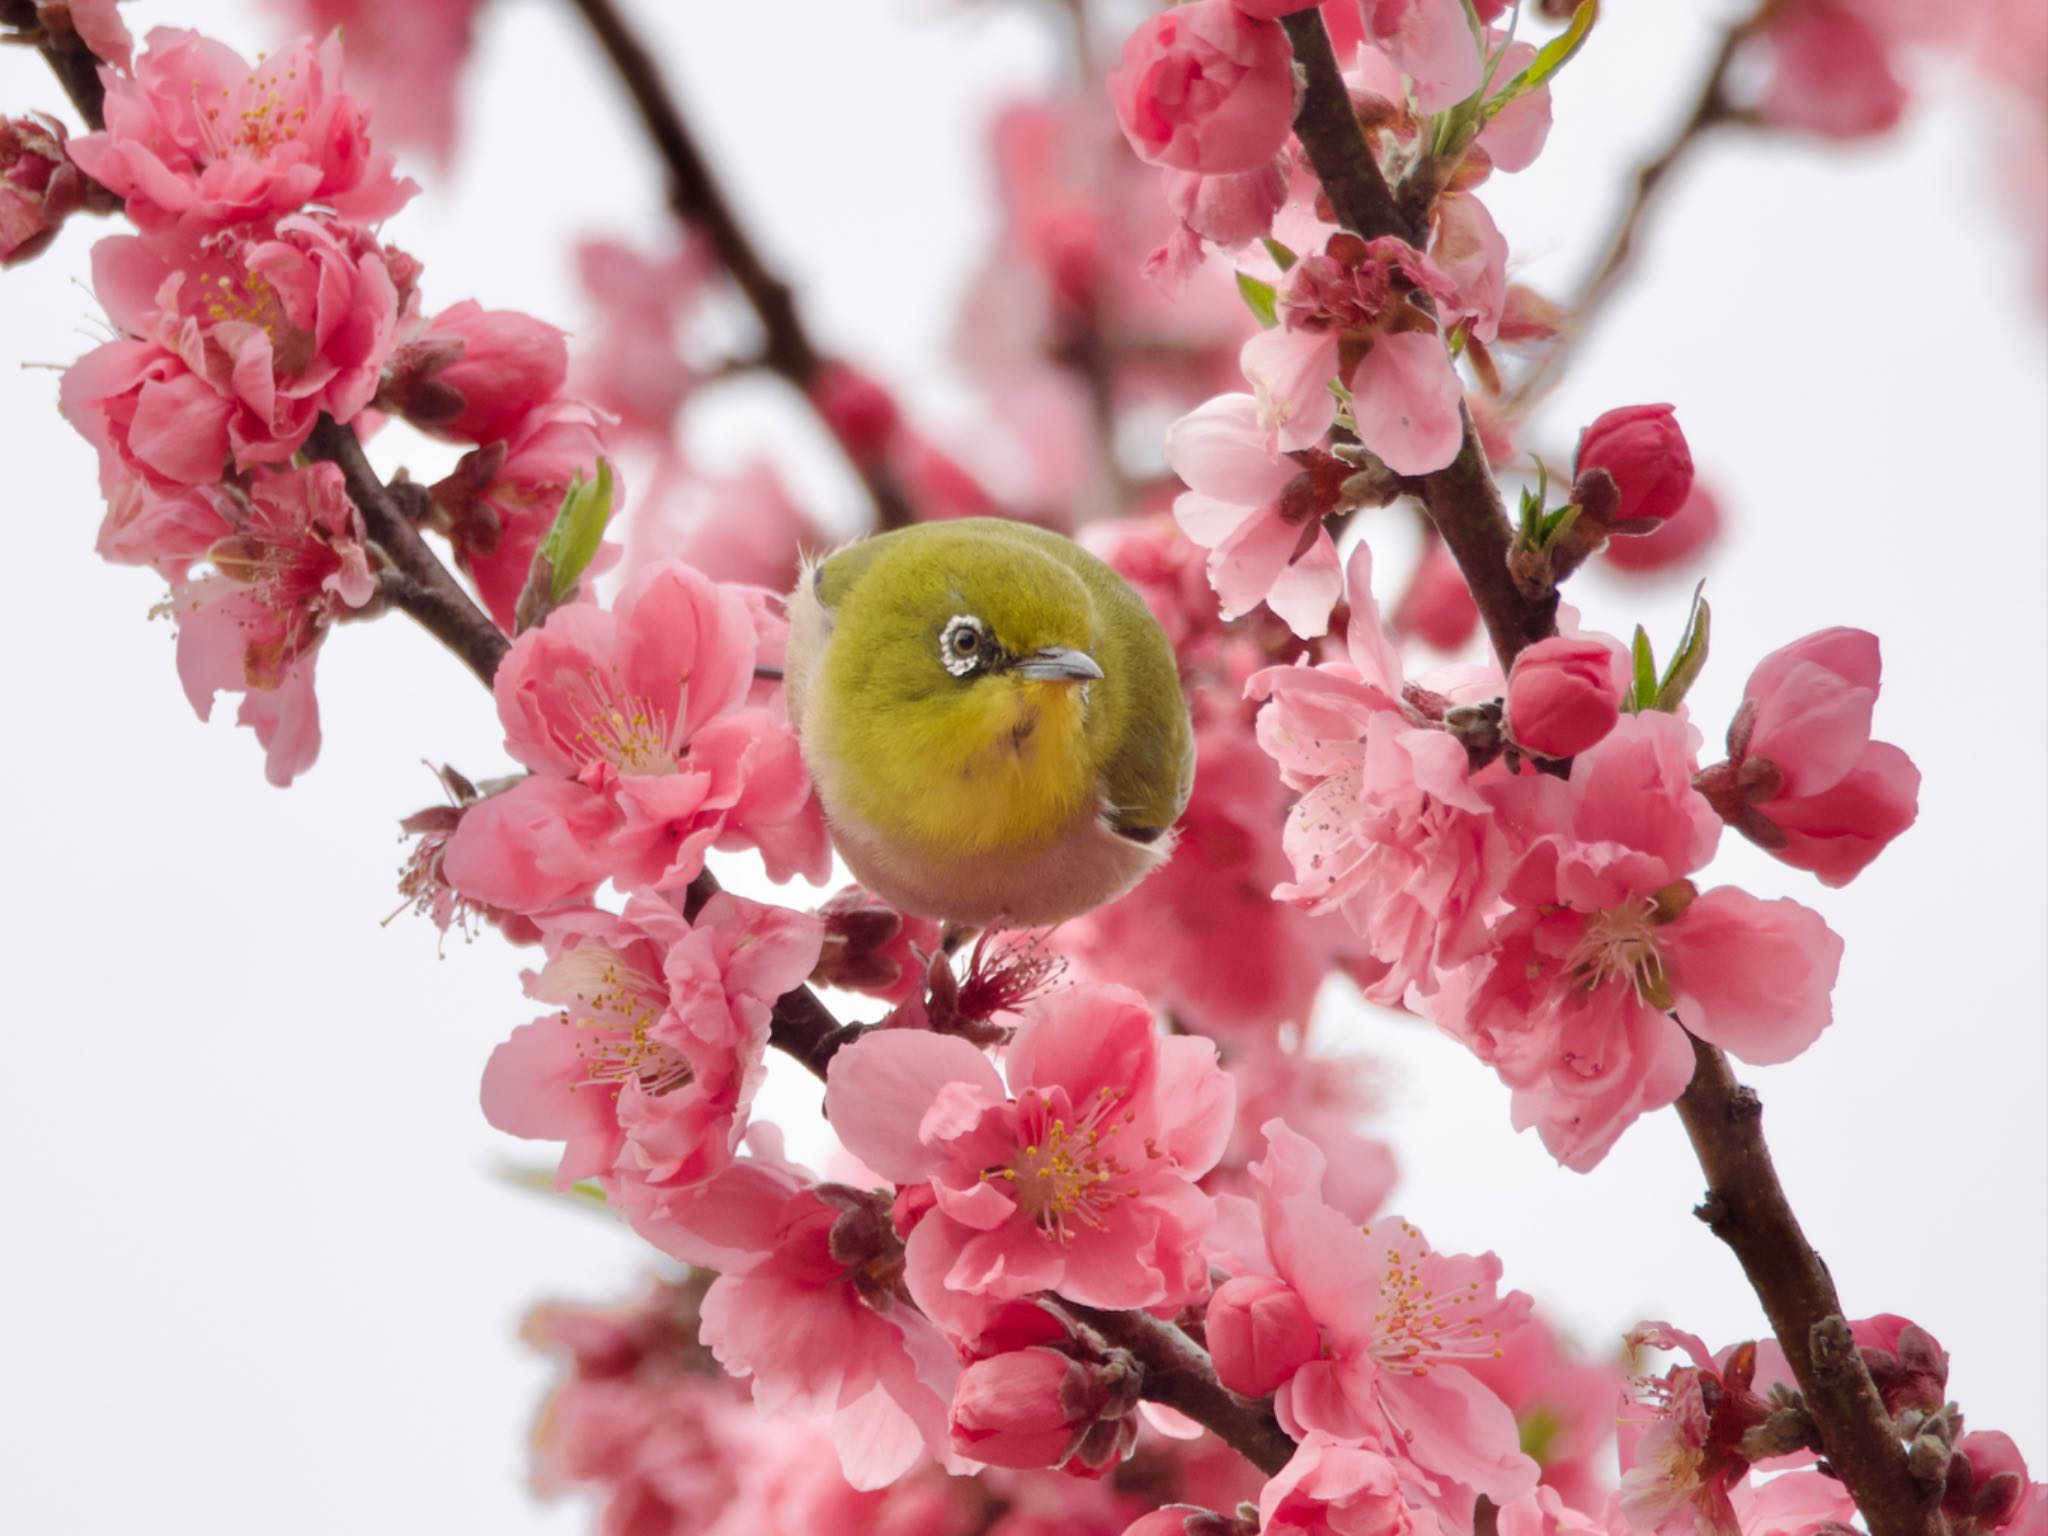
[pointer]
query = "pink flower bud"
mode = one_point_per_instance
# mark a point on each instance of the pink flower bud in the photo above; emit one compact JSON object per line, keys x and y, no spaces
{"x":1564,"y":696}
{"x":1204,"y":87}
{"x":1644,"y":451}
{"x":1034,"y":1407}
{"x":474,"y":373}
{"x":38,"y":185}
{"x":1260,"y":1333}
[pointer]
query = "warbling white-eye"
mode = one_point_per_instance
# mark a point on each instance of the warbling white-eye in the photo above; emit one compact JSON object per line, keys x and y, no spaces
{"x":993,"y":719}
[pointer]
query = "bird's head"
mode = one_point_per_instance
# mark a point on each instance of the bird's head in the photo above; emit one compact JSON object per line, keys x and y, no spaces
{"x":965,"y":667}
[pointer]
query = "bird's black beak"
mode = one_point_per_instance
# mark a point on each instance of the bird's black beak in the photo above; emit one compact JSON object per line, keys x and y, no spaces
{"x":1058,"y":664}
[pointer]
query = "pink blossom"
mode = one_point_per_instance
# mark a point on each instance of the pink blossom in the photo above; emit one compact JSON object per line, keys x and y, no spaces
{"x":1259,"y":1333}
{"x":647,"y":1071}
{"x":1675,"y":542}
{"x":643,"y":754}
{"x":294,"y":559}
{"x":1564,"y":695}
{"x":1431,"y":42}
{"x":1205,"y":87}
{"x":198,"y":135}
{"x":1397,"y":1322}
{"x":1678,"y":1467}
{"x":1332,"y":1489}
{"x":1079,"y":1179}
{"x":1642,"y":451}
{"x":1831,"y":72}
{"x":1256,"y":512}
{"x":473,"y":374}
{"x":242,"y":340}
{"x":809,"y":1305}
{"x":1391,"y":829}
{"x":499,"y":502}
{"x":1803,"y":778}
{"x":1346,"y":316}
{"x":39,"y":186}
{"x":1608,"y":940}
{"x":1437,"y":607}
{"x":409,"y":56}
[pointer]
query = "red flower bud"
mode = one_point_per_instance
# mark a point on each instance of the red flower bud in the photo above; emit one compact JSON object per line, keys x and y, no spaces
{"x":1642,"y":447}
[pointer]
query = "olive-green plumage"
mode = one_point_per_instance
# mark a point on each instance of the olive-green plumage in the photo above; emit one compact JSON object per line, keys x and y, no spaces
{"x":993,"y":718}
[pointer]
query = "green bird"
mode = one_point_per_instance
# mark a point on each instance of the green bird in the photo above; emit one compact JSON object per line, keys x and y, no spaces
{"x":993,"y":719}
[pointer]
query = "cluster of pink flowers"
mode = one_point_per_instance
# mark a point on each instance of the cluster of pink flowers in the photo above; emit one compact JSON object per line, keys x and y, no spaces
{"x":1123,"y":1123}
{"x":256,"y":298}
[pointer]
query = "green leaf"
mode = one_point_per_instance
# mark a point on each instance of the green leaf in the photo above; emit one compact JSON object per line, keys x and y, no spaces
{"x":1261,"y":299}
{"x":1551,"y":57}
{"x":1283,"y":258}
{"x":1690,"y":657}
{"x":1642,"y":694}
{"x":578,"y":529}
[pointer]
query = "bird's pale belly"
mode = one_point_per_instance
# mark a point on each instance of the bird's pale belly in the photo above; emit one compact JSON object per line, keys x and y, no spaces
{"x":1088,"y":865}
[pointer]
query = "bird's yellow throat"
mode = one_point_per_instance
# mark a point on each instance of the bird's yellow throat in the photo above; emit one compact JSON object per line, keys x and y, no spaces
{"x":993,"y":768}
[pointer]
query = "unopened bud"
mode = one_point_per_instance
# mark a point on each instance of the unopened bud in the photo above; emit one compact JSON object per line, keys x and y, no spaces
{"x":1644,"y":452}
{"x":1260,"y":1333}
{"x":1039,"y":1407}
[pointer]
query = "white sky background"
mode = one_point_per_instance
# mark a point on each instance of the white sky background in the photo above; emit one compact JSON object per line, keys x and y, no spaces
{"x":257,"y":1275}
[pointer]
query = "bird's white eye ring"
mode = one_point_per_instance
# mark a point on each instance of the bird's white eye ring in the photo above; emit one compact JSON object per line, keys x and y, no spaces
{"x":964,"y":645}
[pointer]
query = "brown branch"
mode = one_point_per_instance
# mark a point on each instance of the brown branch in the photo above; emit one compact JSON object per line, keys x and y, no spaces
{"x":1178,"y":1375}
{"x":700,"y":202}
{"x":1747,"y":1209}
{"x":1746,"y":1205}
{"x":1710,"y":108}
{"x":1328,"y":130}
{"x":426,"y":590}
{"x":1461,"y":498}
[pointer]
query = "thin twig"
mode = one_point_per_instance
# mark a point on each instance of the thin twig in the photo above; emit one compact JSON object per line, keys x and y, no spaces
{"x":700,"y":202}
{"x":432,"y":596}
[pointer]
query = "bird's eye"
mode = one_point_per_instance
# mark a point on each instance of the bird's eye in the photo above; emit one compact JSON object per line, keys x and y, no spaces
{"x":964,"y":645}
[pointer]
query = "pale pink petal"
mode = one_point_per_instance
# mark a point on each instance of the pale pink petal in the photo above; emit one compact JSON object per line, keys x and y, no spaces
{"x":1754,"y":977}
{"x":878,"y":1089}
{"x":1405,"y":399}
